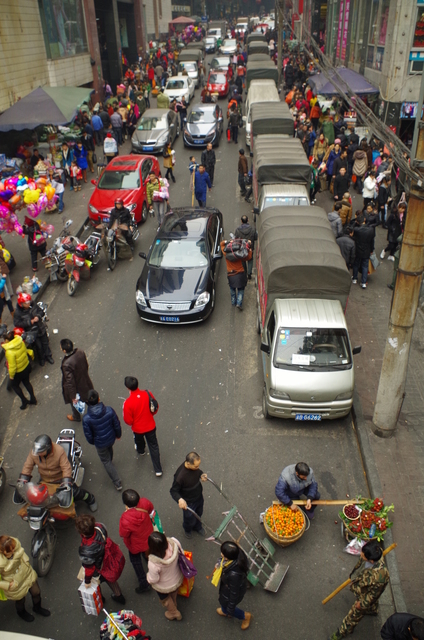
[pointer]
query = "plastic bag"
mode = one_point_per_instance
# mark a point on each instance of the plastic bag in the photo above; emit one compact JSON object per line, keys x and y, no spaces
{"x":79,"y":405}
{"x":355,"y":546}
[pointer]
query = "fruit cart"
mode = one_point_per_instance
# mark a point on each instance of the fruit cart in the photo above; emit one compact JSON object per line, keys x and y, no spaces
{"x":366,"y":520}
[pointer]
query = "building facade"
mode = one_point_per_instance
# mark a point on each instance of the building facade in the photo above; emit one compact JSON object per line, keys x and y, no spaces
{"x":158,"y":15}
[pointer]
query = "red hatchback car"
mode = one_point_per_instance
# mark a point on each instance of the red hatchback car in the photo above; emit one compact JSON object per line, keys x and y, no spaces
{"x":218,"y":83}
{"x":124,"y":177}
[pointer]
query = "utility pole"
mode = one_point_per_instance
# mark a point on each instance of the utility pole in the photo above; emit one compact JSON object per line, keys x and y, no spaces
{"x":391,"y":388}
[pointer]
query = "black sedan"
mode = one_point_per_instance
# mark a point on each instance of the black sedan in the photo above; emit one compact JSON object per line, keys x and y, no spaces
{"x":204,"y":124}
{"x":178,"y":281}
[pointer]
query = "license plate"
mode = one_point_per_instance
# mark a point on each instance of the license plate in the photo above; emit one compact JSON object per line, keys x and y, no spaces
{"x":147,"y":148}
{"x":308,"y":416}
{"x":198,"y":141}
{"x":169,"y":318}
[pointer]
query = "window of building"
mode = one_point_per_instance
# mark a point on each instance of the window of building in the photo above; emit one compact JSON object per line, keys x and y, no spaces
{"x":360,"y":29}
{"x":63,"y":27}
{"x":378,"y":32}
{"x":353,"y":24}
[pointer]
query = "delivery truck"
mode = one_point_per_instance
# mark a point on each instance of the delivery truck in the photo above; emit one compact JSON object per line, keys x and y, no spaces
{"x":281,"y":173}
{"x":302,"y":291}
{"x":261,"y":71}
{"x":260,"y":91}
{"x":273,"y":118}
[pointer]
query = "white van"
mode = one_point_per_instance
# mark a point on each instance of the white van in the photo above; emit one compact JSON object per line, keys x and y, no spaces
{"x":259,"y":91}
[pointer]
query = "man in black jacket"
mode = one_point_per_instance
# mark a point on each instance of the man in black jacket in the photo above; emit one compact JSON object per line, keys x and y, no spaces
{"x":208,"y":159}
{"x":187,"y":491}
{"x":27,"y":317}
{"x":347,"y":247}
{"x":122,"y":215}
{"x":341,"y":183}
{"x":340,"y":162}
{"x":403,"y":626}
{"x":247,"y":232}
{"x":364,"y":240}
{"x":353,"y":146}
{"x":383,"y":200}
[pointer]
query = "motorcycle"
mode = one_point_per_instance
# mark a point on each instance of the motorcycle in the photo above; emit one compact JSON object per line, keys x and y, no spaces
{"x":54,"y":260}
{"x":43,"y":509}
{"x":114,"y":242}
{"x":79,"y":263}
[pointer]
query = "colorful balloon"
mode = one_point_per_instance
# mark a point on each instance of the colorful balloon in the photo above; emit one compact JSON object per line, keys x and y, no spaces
{"x":31,"y":195}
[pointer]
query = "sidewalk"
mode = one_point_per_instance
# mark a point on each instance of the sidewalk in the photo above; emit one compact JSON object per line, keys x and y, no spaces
{"x":399,"y":461}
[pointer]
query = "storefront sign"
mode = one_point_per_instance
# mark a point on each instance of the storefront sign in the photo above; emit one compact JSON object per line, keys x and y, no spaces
{"x":181,"y":7}
{"x":345,"y":30}
{"x":339,"y":32}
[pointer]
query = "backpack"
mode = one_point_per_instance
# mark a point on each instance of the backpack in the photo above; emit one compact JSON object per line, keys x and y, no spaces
{"x":236,"y":249}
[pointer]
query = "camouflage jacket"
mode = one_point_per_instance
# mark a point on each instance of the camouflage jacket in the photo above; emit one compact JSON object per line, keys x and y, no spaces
{"x":370,"y":584}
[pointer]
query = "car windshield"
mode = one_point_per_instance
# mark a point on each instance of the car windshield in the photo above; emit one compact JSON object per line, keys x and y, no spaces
{"x":210,"y":40}
{"x":119,"y":180}
{"x":310,"y":349}
{"x":175,"y":84}
{"x":217,"y":78}
{"x":220,"y":63}
{"x":148,"y":123}
{"x":188,"y":66}
{"x":199,"y":116}
{"x":280,"y":201}
{"x":183,"y":253}
{"x":229,"y":43}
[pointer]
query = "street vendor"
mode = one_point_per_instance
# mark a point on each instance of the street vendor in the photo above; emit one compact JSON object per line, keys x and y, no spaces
{"x":294,"y":481}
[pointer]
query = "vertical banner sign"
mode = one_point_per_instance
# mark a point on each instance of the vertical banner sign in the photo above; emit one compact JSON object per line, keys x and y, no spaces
{"x":345,"y":30}
{"x":339,"y":32}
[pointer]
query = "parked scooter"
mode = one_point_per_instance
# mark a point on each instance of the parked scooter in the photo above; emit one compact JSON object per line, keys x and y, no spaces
{"x":114,"y":242}
{"x":54,"y":260}
{"x":78,"y":264}
{"x":43,"y":510}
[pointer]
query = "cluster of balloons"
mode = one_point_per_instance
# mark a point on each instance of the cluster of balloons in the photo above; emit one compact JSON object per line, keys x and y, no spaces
{"x":191,"y":32}
{"x":37,"y":195}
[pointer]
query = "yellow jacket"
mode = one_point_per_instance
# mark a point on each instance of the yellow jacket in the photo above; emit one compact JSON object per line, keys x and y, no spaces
{"x":17,"y":355}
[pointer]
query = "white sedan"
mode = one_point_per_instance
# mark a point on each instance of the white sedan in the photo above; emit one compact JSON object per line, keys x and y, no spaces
{"x":180,"y":87}
{"x":228,"y":47}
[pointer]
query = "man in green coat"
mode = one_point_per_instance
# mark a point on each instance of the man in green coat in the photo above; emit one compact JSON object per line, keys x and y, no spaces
{"x":163,"y":100}
{"x":328,"y":128}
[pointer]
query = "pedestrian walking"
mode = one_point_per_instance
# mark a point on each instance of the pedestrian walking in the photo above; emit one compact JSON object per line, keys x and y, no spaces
{"x":67,"y":157}
{"x":97,"y":124}
{"x":75,"y":378}
{"x":95,"y":555}
{"x":182,"y":110}
{"x":335,"y":220}
{"x":187,"y":491}
{"x":139,"y":410}
{"x":110,"y":147}
{"x":169,"y":162}
{"x":36,"y":241}
{"x":117,"y":125}
{"x":231,"y":575}
{"x":243,"y":170}
{"x":80,"y":153}
{"x":345,"y":212}
{"x":237,"y":277}
{"x":364,"y":243}
{"x":17,"y":578}
{"x":156,"y":207}
{"x":297,"y":480}
{"x":383,"y":200}
{"x":101,"y":428}
{"x":105,"y":118}
{"x":369,"y":188}
{"x":368,"y":586}
{"x":164,"y":573}
{"x":403,"y":626}
{"x":347,"y":246}
{"x":57,"y":183}
{"x":247,"y":232}
{"x":135,"y":527}
{"x":19,"y":367}
{"x":233,"y":123}
{"x":201,"y":184}
{"x":341,"y":183}
{"x":88,"y":143}
{"x":394,"y":230}
{"x":27,"y":317}
{"x":208,"y":160}
{"x":360,"y":165}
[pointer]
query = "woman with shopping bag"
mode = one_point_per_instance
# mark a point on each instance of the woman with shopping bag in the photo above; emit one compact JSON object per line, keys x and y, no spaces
{"x":164,"y":573}
{"x":100,"y":556}
{"x":17,"y":577}
{"x":231,"y":576}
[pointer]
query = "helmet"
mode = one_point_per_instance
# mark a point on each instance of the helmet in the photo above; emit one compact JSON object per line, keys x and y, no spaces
{"x":24,"y":297}
{"x":37,"y":494}
{"x":18,"y":331}
{"x":81,"y":247}
{"x":42,"y":444}
{"x":119,"y":201}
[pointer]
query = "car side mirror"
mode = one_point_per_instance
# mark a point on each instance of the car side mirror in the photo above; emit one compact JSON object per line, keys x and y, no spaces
{"x":142,"y":255}
{"x":94,"y":182}
{"x":265,"y":348}
{"x":356,"y":350}
{"x":256,"y":210}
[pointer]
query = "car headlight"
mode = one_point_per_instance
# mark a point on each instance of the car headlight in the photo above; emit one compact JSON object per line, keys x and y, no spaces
{"x":132,"y":207}
{"x":347,"y":395}
{"x":92,"y":209}
{"x":279,"y":394}
{"x":140,"y":299}
{"x":211,"y":134}
{"x":163,"y":137}
{"x":187,"y":134}
{"x":202,"y":300}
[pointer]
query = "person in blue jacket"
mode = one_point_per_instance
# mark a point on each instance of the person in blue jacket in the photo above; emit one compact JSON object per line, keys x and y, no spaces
{"x":80,"y":153}
{"x":294,"y":481}
{"x":201,"y":183}
{"x":334,"y":153}
{"x":102,"y":427}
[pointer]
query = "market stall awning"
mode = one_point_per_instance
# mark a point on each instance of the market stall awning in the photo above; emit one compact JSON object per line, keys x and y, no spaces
{"x":45,"y":105}
{"x":182,"y":20}
{"x":356,"y":83}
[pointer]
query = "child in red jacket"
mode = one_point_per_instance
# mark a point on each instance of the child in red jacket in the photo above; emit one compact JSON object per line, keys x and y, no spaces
{"x":135,"y":526}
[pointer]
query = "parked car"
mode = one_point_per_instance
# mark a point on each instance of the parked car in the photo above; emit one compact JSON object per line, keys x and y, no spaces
{"x":178,"y":87}
{"x":204,"y":124}
{"x":218,"y":83}
{"x":220,"y":63}
{"x":154,"y":130}
{"x":228,"y":47}
{"x":178,"y":282}
{"x":124,"y":177}
{"x":210,"y":44}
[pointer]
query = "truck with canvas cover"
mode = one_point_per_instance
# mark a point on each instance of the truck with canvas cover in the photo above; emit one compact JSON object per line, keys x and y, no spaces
{"x":261,"y":71}
{"x":302,"y":290}
{"x":273,"y":118}
{"x":260,"y":91}
{"x":257,"y":47}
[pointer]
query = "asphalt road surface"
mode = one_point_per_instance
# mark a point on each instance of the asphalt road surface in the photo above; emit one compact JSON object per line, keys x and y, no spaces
{"x":208,"y":381}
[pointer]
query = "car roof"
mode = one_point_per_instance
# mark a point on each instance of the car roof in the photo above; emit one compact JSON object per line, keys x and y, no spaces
{"x":125,"y":163}
{"x":156,"y":113}
{"x":309,"y":313}
{"x":187,"y":221}
{"x":180,"y":77}
{"x":204,"y":106}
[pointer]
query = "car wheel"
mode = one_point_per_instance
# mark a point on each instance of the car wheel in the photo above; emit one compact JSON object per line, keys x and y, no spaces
{"x":144,"y":213}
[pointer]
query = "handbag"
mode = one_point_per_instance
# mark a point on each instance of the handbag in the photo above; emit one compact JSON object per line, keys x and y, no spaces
{"x":186,"y":566}
{"x":113,"y":560}
{"x":154,"y":404}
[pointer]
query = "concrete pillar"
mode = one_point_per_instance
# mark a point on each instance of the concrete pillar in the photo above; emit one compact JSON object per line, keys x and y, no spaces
{"x":94,"y":48}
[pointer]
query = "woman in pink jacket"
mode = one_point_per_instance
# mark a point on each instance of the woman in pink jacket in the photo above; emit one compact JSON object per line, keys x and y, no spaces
{"x":164,"y":572}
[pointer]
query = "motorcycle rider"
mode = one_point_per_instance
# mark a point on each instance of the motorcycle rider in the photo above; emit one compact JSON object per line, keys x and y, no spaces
{"x":122,"y":215}
{"x":54,"y":468}
{"x":27,"y":317}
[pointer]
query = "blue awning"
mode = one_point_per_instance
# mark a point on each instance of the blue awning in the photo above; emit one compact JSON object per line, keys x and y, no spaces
{"x":354,"y":81}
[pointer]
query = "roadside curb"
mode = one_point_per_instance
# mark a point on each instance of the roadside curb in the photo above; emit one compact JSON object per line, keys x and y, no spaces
{"x":374,"y":484}
{"x":47,"y":281}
